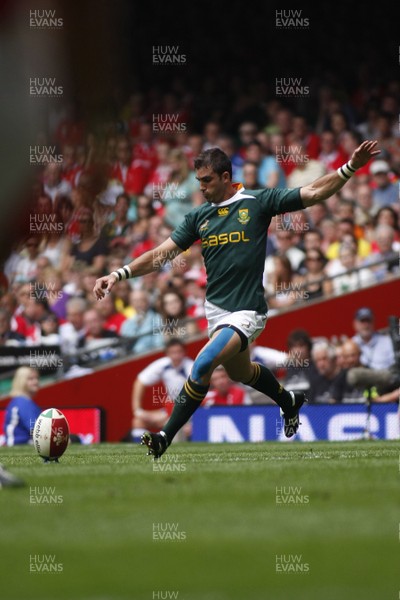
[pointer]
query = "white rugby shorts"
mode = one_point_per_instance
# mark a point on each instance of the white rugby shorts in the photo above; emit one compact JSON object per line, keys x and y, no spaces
{"x":249,"y":322}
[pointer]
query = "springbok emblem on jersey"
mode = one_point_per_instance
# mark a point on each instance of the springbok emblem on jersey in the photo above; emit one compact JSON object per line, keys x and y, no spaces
{"x":243,"y":217}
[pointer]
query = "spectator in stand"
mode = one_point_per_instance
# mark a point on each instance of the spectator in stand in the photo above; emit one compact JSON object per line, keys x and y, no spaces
{"x":70,"y":169}
{"x":340,"y":124}
{"x":113,"y":319}
{"x":145,"y":151}
{"x":287,"y":245}
{"x":91,"y":249}
{"x":249,"y":176}
{"x":144,"y":211}
{"x":82,"y":201}
{"x":211,"y":133}
{"x":171,"y":372}
{"x":117,"y":230}
{"x":341,"y":390}
{"x":26,"y":267}
{"x":95,"y":334}
{"x":331,"y":155}
{"x":306,"y":169}
{"x":312,"y":240}
{"x":387,"y":215}
{"x":195,"y":146}
{"x":157,"y":185}
{"x":29,"y":324}
{"x":9,"y":302}
{"x":42,"y":215}
{"x":302,"y":136}
{"x":53,"y":183}
{"x":299,"y":365}
{"x":175,"y":320}
{"x":152,"y":238}
{"x":347,"y":276}
{"x":323,"y":355}
{"x":22,"y":294}
{"x":182,"y":185}
{"x":346,"y":229}
{"x":385,"y":191}
{"x":49,"y":330}
{"x":364,"y":206}
{"x":385,"y":248}
{"x":224,"y":392}
{"x":55,"y":245}
{"x":376,"y":348}
{"x":51,"y":286}
{"x":132,"y":174}
{"x":387,"y":133}
{"x":72,"y":330}
{"x":8,"y":337}
{"x":313,"y":281}
{"x":121,"y":291}
{"x":145,"y":325}
{"x":269,"y":172}
{"x":22,"y":410}
{"x":316,"y":214}
{"x":282,"y":291}
{"x":63,"y":209}
{"x":282,"y":123}
{"x":247,"y":134}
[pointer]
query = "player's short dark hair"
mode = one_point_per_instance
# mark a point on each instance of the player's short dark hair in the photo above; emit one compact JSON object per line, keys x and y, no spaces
{"x":216,"y":159}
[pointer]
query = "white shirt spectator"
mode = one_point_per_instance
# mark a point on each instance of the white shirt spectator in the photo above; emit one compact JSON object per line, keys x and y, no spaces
{"x":162,"y":370}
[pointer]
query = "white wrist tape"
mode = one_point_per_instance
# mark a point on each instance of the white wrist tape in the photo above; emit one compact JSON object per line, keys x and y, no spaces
{"x":122,"y":273}
{"x":346,"y":171}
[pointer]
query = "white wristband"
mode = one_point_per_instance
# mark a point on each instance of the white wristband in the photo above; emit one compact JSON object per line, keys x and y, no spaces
{"x":346,"y":171}
{"x":122,"y":273}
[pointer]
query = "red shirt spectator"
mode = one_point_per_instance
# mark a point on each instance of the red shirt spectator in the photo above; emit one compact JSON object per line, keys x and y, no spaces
{"x":112,"y":319}
{"x":223,"y":391}
{"x":331,"y":155}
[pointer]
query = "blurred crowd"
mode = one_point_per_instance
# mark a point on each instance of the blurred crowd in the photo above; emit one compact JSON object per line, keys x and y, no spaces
{"x":113,"y":191}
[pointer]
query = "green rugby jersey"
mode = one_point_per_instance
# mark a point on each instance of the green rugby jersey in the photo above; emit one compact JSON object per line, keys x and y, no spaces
{"x":234,"y":240}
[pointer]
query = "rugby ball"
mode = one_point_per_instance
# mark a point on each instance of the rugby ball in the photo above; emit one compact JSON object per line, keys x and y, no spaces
{"x":51,"y":434}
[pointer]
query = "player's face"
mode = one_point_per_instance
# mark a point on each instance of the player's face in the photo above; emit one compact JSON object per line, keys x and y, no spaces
{"x":212,"y":185}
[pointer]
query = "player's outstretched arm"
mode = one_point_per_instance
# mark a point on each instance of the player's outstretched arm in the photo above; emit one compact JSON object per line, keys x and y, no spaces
{"x":148,"y":262}
{"x":324,"y":187}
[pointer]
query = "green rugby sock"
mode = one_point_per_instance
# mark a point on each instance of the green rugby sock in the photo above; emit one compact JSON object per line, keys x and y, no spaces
{"x":186,"y":403}
{"x":265,"y":382}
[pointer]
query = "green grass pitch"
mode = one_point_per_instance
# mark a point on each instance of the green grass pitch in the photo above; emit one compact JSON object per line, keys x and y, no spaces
{"x":208,"y":522}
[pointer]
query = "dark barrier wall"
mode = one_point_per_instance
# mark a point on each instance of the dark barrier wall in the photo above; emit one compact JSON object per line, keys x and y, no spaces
{"x":111,"y":387}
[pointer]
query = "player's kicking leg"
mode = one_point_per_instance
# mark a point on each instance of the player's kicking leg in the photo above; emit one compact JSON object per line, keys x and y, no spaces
{"x":223,"y":345}
{"x":240,"y":368}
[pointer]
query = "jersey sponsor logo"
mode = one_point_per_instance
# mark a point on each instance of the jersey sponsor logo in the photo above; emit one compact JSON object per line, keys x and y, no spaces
{"x":232,"y":237}
{"x":204,"y":226}
{"x":223,"y":212}
{"x":243,"y":217}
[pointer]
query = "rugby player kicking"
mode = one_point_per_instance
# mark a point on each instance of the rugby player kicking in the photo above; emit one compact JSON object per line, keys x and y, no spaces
{"x":232,"y":225}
